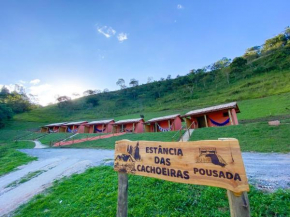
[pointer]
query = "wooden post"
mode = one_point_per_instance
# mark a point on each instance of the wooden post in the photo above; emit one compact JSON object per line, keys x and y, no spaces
{"x":102,"y":128}
{"x":239,"y":204}
{"x":230,"y":115}
{"x":205,"y":119}
{"x":133,"y":128}
{"x":155,"y":126}
{"x":168,"y":123}
{"x":122,"y":209}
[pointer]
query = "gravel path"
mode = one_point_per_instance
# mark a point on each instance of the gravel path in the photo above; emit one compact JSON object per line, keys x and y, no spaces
{"x":53,"y":164}
{"x":266,"y":171}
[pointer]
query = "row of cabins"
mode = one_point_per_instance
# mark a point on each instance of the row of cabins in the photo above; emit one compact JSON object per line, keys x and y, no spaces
{"x":220,"y":115}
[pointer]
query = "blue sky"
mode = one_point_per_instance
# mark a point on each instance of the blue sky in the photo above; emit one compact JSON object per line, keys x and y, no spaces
{"x":57,"y":47}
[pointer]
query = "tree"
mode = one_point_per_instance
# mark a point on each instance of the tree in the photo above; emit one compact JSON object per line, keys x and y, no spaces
{"x":97,"y":91}
{"x":63,"y":101}
{"x":93,"y":100}
{"x":88,"y":92}
{"x":76,"y":95}
{"x":5,"y":114}
{"x":168,"y":77}
{"x":4,"y":91}
{"x":133,"y":82}
{"x":274,"y":43}
{"x":121,"y":83}
{"x":149,"y":80}
{"x":252,"y":53}
{"x":106,"y":90}
{"x":238,"y":63}
{"x":220,"y":64}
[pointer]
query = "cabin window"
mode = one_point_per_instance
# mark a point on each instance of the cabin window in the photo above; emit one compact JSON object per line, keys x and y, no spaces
{"x":226,"y":114}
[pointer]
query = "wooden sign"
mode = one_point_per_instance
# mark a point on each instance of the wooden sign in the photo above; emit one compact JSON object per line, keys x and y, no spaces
{"x":213,"y":163}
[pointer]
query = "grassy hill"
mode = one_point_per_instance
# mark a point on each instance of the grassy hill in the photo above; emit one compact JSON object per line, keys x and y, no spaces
{"x":261,"y":86}
{"x":268,"y":75}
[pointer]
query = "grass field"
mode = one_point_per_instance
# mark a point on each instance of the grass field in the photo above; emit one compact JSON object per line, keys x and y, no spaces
{"x":275,"y":84}
{"x":10,"y":158}
{"x":259,"y":137}
{"x":94,"y":193}
{"x":109,"y":143}
{"x":33,"y":136}
{"x":54,"y":137}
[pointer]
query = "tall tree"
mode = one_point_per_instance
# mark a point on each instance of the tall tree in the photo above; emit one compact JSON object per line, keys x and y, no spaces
{"x":133,"y":82}
{"x":121,"y":83}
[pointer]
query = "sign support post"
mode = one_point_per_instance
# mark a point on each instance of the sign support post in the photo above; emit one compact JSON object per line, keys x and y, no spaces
{"x":122,"y":210}
{"x":239,"y":204}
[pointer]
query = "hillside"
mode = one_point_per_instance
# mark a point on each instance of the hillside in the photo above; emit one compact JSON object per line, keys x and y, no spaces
{"x":266,"y":76}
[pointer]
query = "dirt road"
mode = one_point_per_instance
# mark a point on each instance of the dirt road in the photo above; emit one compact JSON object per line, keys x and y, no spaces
{"x":266,"y":171}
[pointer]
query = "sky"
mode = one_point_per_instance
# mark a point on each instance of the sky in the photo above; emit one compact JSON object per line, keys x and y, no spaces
{"x":57,"y":47}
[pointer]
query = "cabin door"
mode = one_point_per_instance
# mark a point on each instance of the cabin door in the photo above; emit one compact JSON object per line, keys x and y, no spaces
{"x":201,"y":122}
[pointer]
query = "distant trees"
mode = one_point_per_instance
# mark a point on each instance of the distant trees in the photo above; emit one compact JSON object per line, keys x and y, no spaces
{"x":149,"y":80}
{"x":14,"y":102}
{"x":88,"y":92}
{"x":92,"y":100}
{"x":252,"y":53}
{"x":121,"y":83}
{"x":6,"y":113}
{"x":274,"y":43}
{"x":63,"y":101}
{"x":133,"y":82}
{"x":220,"y":64}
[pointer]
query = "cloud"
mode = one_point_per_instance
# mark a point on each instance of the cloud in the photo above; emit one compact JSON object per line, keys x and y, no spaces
{"x":179,"y":6}
{"x":122,"y":37}
{"x":34,"y":82}
{"x":106,"y":31}
{"x":22,"y":82}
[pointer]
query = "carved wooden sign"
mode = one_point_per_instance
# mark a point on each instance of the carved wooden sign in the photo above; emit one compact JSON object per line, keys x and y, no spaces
{"x":214,"y":162}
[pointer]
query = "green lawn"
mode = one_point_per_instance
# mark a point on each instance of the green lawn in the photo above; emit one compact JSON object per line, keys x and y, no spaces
{"x":109,"y":143}
{"x":265,"y":107}
{"x":54,"y":137}
{"x":10,"y":135}
{"x":10,"y":158}
{"x":33,"y":136}
{"x":259,"y":137}
{"x":94,"y":193}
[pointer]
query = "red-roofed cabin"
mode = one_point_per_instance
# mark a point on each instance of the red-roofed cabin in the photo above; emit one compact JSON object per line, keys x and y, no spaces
{"x":130,"y":125}
{"x":72,"y":127}
{"x":104,"y":126}
{"x":164,"y":124}
{"x":51,"y":128}
{"x":220,"y":115}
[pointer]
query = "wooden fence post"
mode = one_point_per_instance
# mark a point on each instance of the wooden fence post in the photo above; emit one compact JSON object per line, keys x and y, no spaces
{"x":239,"y":204}
{"x":122,"y":209}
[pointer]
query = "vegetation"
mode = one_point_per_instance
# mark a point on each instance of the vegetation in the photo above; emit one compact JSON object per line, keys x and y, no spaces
{"x":50,"y":138}
{"x":109,"y":143}
{"x":11,"y":135}
{"x":262,"y":71}
{"x":14,"y":102}
{"x":82,"y":195}
{"x":11,"y":158}
{"x":258,"y":137}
